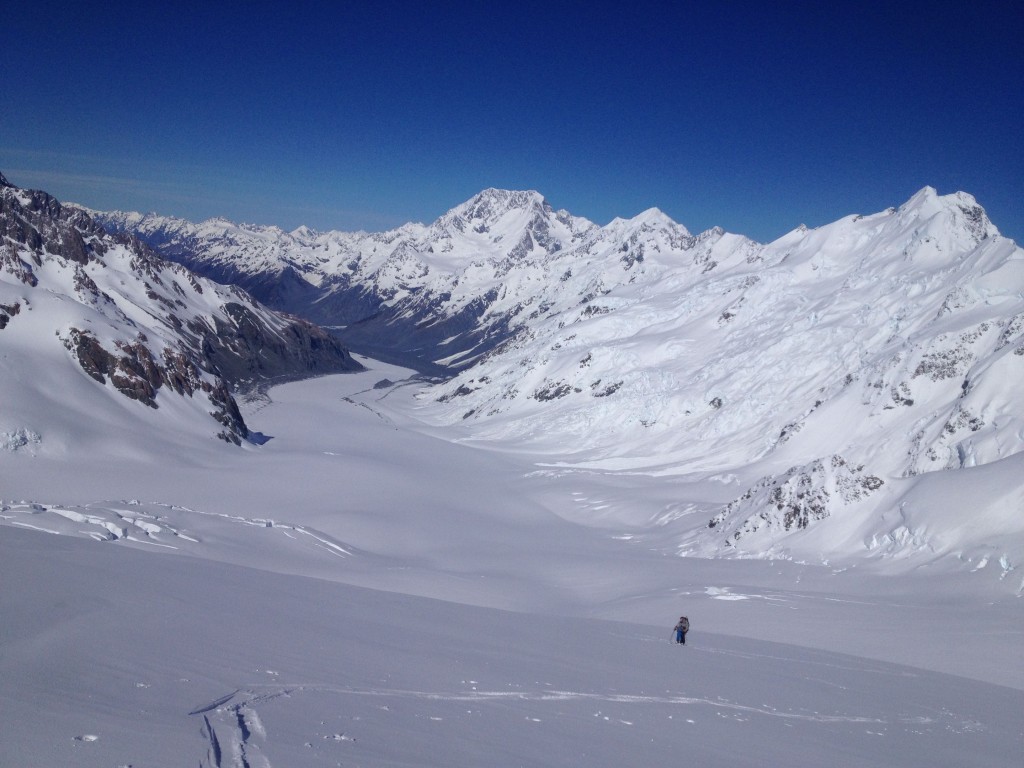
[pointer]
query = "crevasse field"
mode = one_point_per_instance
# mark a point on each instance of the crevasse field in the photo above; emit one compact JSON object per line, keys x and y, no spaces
{"x":367,"y":590}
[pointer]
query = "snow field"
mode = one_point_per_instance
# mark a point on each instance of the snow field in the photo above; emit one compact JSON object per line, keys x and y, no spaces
{"x":359,"y":590}
{"x":121,"y":657}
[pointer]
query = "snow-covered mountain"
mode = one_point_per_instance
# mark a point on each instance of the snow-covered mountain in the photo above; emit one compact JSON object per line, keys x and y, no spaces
{"x":433,"y":296}
{"x":812,"y":377}
{"x":485,"y":571}
{"x":88,"y":319}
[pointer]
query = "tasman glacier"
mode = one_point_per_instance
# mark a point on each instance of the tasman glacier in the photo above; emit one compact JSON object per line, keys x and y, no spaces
{"x":821,"y":393}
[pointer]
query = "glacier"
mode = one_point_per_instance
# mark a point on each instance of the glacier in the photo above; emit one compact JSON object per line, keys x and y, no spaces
{"x":482,"y":565}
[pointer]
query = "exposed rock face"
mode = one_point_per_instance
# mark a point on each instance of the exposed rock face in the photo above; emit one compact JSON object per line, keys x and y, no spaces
{"x":7,"y":311}
{"x":146,"y":325}
{"x":796,"y":498}
{"x":245,"y":349}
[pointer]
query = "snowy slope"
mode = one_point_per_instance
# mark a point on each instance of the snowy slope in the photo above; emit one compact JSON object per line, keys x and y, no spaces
{"x":485,"y":571}
{"x":436,"y":295}
{"x":284,"y":671}
{"x":400,"y":599}
{"x":817,"y":377}
{"x":94,"y":327}
{"x":809,"y":379}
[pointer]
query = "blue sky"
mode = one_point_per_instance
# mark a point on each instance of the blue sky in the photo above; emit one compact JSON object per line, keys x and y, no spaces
{"x":755,"y":117}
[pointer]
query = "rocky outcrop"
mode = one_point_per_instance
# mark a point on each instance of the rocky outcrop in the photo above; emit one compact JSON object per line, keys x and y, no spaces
{"x":164,"y":330}
{"x":797,"y":498}
{"x":244,"y":349}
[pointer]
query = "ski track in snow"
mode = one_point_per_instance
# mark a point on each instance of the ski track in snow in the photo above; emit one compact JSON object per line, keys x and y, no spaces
{"x":236,"y":736}
{"x":251,"y":696}
{"x":153,"y":524}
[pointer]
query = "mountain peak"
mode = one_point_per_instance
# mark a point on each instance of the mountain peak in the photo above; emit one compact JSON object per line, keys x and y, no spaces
{"x":484,"y":209}
{"x":652,"y":218}
{"x":491,"y":203}
{"x":303,"y":232}
{"x":960,"y":209}
{"x":656,"y":217}
{"x":513,"y":197}
{"x":4,"y":182}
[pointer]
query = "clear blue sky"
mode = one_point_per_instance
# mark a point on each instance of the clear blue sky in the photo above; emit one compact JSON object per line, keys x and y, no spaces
{"x":754,"y":116}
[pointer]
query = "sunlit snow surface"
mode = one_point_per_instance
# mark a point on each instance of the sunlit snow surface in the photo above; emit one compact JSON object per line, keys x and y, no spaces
{"x":843,"y":391}
{"x":362,"y":590}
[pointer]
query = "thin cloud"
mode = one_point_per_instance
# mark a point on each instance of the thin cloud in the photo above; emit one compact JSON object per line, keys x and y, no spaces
{"x":180,"y":191}
{"x":62,"y":178}
{"x":97,"y":190}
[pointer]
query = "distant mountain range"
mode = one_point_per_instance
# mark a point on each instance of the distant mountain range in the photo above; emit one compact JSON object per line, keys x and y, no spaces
{"x":819,"y":391}
{"x":434,"y":297}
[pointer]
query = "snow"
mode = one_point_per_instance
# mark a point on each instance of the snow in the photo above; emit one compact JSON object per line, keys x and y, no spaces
{"x":889,"y":342}
{"x":812,"y":448}
{"x":364,"y":589}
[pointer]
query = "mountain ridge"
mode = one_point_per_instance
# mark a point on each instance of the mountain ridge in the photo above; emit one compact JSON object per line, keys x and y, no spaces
{"x":444,"y":281}
{"x":828,"y":375}
{"x":72,"y":295}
